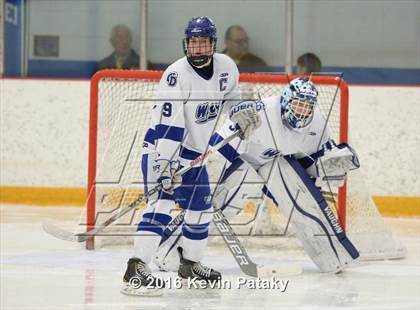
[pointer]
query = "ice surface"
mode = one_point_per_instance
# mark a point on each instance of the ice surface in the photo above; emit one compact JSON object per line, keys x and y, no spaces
{"x":40,"y":272}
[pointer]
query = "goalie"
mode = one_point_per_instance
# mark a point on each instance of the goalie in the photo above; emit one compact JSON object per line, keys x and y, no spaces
{"x":293,"y":154}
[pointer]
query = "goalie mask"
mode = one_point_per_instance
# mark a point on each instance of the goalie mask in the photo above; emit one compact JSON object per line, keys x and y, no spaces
{"x":298,"y":102}
{"x":200,"y":41}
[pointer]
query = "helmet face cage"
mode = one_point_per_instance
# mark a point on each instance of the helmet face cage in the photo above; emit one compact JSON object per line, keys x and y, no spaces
{"x":298,"y":103}
{"x":197,"y":49}
{"x":301,"y":109}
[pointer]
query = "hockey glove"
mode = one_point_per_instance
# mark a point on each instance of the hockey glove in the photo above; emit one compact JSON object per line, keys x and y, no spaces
{"x":333,"y":166}
{"x":167,"y":177}
{"x":245,"y":115}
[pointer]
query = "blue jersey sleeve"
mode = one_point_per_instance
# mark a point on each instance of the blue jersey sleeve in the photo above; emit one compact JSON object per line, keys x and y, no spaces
{"x":231,"y":150}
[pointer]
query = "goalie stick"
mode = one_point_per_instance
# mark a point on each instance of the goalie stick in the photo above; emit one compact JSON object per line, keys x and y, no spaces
{"x":63,"y":234}
{"x":242,"y":258}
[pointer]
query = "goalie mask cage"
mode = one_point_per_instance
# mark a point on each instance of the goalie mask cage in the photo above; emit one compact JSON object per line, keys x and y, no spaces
{"x":120,"y":104}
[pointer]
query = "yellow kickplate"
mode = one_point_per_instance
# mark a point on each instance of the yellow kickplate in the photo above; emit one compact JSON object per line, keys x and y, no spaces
{"x":398,"y":205}
{"x":64,"y":196}
{"x":43,"y":196}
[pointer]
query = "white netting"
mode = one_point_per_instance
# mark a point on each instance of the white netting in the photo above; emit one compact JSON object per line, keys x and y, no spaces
{"x":124,"y":116}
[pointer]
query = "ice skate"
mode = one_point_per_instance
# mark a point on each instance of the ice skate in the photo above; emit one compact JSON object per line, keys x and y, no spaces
{"x":139,"y":281}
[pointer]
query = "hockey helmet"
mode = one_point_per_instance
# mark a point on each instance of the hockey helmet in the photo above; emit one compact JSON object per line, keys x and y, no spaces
{"x":198,"y":27}
{"x":298,"y":102}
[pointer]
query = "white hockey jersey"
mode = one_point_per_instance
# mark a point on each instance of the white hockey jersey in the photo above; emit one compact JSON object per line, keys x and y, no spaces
{"x":188,"y":106}
{"x":274,"y":138}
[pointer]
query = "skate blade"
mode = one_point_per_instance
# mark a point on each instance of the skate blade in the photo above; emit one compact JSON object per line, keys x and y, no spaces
{"x":142,"y":291}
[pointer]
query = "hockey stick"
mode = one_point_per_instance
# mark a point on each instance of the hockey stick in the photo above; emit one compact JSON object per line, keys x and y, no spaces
{"x":82,"y":237}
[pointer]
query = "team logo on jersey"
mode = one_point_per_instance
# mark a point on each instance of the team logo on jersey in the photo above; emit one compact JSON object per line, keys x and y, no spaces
{"x":270,"y":153}
{"x":233,"y":127}
{"x":156,"y":168}
{"x":172,"y":79}
{"x":207,"y":199}
{"x":222,"y":84}
{"x":259,"y":105}
{"x":223,"y":81}
{"x":207,"y":111}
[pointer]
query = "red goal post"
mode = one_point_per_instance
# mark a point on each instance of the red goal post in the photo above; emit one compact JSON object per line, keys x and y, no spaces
{"x":336,"y":94}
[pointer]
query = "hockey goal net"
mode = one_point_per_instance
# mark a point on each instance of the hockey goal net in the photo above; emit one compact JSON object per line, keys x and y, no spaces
{"x":120,"y":106}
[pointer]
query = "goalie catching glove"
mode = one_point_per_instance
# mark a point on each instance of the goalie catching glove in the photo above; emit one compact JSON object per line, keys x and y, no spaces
{"x":167,"y":177}
{"x":332,"y":167}
{"x":244,"y":114}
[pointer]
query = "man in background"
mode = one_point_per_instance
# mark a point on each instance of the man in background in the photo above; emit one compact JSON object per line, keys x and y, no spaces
{"x":237,"y":47}
{"x":308,"y":64}
{"x":123,"y":56}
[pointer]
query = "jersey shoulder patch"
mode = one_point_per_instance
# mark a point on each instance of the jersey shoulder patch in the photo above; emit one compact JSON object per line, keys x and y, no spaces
{"x":172,"y":78}
{"x":172,"y":75}
{"x":260,"y":106}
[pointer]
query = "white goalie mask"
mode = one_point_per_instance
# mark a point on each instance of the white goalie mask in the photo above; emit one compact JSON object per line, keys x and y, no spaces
{"x":298,"y":102}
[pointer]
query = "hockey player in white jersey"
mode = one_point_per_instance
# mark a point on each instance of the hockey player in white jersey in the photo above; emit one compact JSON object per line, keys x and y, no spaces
{"x":294,"y":155}
{"x":191,"y":95}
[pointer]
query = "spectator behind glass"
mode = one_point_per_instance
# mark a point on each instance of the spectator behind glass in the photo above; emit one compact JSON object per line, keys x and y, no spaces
{"x":237,"y":45}
{"x":308,"y":64}
{"x":123,"y":57}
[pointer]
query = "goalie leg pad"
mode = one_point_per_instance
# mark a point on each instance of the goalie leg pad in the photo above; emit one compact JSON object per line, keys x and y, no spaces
{"x":316,"y":226}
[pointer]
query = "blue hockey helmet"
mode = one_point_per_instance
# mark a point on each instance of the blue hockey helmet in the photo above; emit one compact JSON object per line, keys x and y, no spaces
{"x":200,"y":27}
{"x":298,"y":101}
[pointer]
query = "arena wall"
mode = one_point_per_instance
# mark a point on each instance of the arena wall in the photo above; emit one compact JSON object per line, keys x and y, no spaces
{"x":44,"y":137}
